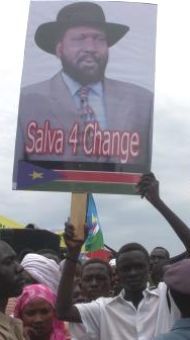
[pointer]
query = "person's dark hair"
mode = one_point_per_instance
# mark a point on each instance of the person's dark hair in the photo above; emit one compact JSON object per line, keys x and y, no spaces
{"x":24,"y":252}
{"x":162,"y":248}
{"x":30,"y":226}
{"x":182,"y":301}
{"x":98,"y":260}
{"x":131,"y":247}
{"x":50,"y":253}
{"x":47,"y":250}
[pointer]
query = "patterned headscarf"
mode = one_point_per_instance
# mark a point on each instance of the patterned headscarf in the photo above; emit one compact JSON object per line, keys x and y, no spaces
{"x":31,"y":293}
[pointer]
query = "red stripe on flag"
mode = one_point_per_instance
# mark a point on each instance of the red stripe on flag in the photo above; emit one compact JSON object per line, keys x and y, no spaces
{"x":93,"y":176}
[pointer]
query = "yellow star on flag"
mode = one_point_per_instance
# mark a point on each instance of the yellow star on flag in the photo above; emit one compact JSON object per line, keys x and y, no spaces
{"x":36,"y":175}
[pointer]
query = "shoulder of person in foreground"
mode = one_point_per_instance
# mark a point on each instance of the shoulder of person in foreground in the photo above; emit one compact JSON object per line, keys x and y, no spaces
{"x":11,"y":328}
{"x":90,"y":315}
{"x":170,"y":336}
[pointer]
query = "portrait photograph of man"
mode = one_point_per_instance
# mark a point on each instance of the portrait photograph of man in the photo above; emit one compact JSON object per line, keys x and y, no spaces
{"x":87,"y":89}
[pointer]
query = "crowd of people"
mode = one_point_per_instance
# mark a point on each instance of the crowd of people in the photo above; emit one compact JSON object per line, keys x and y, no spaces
{"x":135,"y":296}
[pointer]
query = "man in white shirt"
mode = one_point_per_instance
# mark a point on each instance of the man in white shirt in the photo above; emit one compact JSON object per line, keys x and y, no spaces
{"x":138,"y":312}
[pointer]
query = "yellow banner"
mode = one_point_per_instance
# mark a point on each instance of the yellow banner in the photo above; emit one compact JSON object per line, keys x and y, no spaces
{"x":6,"y":223}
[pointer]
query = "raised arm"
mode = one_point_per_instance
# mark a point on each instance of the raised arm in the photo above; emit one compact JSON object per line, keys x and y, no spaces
{"x":149,"y":187}
{"x":64,"y":308}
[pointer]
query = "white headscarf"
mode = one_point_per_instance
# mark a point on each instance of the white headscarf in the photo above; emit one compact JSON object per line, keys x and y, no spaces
{"x":43,"y":270}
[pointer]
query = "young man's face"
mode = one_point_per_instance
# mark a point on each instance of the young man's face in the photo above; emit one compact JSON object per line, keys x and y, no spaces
{"x":158,"y":255}
{"x":83,"y":51}
{"x":11,"y":279}
{"x":96,"y":281}
{"x":133,"y":270}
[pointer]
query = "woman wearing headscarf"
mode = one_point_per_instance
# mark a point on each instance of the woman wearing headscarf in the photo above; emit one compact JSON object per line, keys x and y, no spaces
{"x":36,"y":308}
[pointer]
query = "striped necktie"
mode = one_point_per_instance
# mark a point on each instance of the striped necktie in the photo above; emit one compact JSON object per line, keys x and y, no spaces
{"x":87,"y":115}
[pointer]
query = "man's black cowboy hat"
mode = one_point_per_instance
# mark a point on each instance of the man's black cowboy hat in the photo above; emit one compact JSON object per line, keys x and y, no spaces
{"x":77,"y":14}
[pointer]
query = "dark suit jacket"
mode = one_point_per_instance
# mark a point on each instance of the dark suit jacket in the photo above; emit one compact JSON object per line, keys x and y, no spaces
{"x":128,"y":108}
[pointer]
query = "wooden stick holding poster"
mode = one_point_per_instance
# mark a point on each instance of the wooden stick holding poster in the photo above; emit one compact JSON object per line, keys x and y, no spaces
{"x":78,"y":213}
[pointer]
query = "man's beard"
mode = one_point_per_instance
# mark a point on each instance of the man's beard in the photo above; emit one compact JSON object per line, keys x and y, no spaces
{"x":85,"y":75}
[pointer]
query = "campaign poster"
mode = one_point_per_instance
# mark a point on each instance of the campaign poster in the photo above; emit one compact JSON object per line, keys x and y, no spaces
{"x":87,"y":97}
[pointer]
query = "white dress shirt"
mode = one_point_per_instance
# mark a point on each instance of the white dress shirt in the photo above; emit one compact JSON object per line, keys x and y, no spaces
{"x":118,"y":319}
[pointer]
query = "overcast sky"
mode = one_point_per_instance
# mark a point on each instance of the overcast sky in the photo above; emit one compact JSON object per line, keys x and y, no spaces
{"x":132,"y":219}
